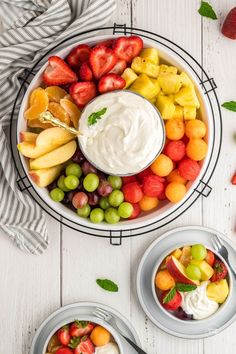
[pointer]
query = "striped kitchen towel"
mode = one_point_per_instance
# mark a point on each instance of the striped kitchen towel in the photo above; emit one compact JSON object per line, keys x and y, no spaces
{"x":30,"y":28}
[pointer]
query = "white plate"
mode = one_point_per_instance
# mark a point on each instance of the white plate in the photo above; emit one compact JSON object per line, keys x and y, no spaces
{"x":171,"y":240}
{"x":70,"y":312}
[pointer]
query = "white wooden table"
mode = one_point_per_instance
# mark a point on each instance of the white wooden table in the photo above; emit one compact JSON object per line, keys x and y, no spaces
{"x":32,"y":287}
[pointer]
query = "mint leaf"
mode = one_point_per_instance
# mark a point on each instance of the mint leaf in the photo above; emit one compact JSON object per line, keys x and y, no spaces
{"x":185,"y":287}
{"x":93,"y":118}
{"x":231,"y":105}
{"x":169,"y":296}
{"x":107,"y":285}
{"x":206,"y":10}
{"x":82,"y":324}
{"x":74,"y":342}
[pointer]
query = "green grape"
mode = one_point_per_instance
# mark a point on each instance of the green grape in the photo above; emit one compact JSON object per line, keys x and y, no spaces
{"x":91,"y":182}
{"x":57,"y":194}
{"x":193,"y":272}
{"x":97,"y":215}
{"x":85,"y":211}
{"x":104,"y":203}
{"x":61,"y":184}
{"x":71,"y":182}
{"x":125,"y":210}
{"x":111,"y":216}
{"x":198,"y":252}
{"x":116,"y":198}
{"x":74,"y":169}
{"x":115,"y":182}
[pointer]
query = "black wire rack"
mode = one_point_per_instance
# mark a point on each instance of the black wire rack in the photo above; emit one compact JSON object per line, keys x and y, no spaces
{"x":203,"y":188}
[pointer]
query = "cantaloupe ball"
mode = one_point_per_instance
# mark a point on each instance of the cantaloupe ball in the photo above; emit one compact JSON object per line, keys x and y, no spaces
{"x":100,"y":336}
{"x":162,"y":166}
{"x":148,"y":203}
{"x":195,"y":129}
{"x":175,"y":129}
{"x":174,"y":176}
{"x":164,"y":281}
{"x":196,"y":149}
{"x":175,"y":191}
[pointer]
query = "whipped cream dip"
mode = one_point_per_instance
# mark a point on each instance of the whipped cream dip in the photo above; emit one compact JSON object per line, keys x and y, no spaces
{"x":127,"y":137}
{"x":110,"y":348}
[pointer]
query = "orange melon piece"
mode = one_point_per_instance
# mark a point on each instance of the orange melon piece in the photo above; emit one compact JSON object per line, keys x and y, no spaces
{"x":72,"y":110}
{"x":38,"y":104}
{"x":55,"y":93}
{"x":59,"y":112}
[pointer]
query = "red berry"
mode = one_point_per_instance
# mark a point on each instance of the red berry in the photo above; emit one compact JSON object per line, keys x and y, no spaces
{"x":127,"y":48}
{"x":210,"y":257}
{"x":175,"y":150}
{"x":229,"y":26}
{"x":102,"y":60}
{"x":81,"y":328}
{"x":78,"y":55}
{"x":152,"y":186}
{"x":128,"y":179}
{"x":233,"y":179}
{"x":83,"y":92}
{"x":136,"y":211}
{"x":58,"y":72}
{"x":143,"y":174}
{"x":220,"y":271}
{"x":85,"y":73}
{"x":189,"y":169}
{"x":119,"y":67}
{"x":85,"y":347}
{"x":63,"y":335}
{"x":64,"y":350}
{"x":132,"y":192}
{"x":110,"y":82}
{"x":174,"y":303}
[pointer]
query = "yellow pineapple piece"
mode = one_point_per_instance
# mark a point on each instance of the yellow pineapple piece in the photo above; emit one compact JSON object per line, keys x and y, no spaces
{"x":187,"y":97}
{"x":150,"y":54}
{"x":179,"y":112}
{"x":165,"y":106}
{"x":129,"y":76}
{"x":156,"y":84}
{"x":218,"y":291}
{"x":161,"y":93}
{"x":153,"y":100}
{"x":185,"y":79}
{"x":144,"y":86}
{"x":189,"y":112}
{"x":143,"y":66}
{"x":169,"y":83}
{"x":167,"y":69}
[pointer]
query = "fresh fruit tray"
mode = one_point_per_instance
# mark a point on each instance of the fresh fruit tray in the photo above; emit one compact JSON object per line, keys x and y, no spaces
{"x":167,"y":97}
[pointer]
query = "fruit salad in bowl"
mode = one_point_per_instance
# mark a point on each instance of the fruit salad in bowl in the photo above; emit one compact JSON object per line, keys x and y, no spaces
{"x":83,"y":337}
{"x":88,"y":141}
{"x":191,"y":283}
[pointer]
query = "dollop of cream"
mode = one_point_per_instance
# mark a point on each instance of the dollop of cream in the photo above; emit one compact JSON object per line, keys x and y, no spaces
{"x":197,"y":303}
{"x":110,"y":348}
{"x":128,"y":136}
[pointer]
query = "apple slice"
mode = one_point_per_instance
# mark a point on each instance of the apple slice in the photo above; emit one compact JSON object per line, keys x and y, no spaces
{"x":32,"y":151}
{"x":55,"y":157}
{"x":45,"y":176}
{"x":54,"y":136}
{"x":28,"y":137}
{"x":177,"y":270}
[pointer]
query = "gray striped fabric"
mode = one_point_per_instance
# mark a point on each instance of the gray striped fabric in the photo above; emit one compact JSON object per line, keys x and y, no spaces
{"x":31,"y":28}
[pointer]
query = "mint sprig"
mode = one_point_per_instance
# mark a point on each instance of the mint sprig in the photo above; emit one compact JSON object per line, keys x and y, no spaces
{"x":206,"y":10}
{"x":95,"y":116}
{"x":169,"y":296}
{"x":230,"y":105}
{"x":185,"y":287}
{"x":107,"y":285}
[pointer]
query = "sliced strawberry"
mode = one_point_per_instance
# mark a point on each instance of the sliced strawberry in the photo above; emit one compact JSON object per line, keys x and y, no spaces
{"x":220,"y":271}
{"x":85,"y":73}
{"x":136,"y":211}
{"x":108,"y":43}
{"x":102,"y":60}
{"x":127,"y":48}
{"x":78,"y":55}
{"x":64,"y":350}
{"x":128,"y":179}
{"x":119,"y":67}
{"x":152,"y":186}
{"x":83,"y":92}
{"x":229,"y":25}
{"x":110,"y":82}
{"x":63,"y":335}
{"x":82,"y":345}
{"x":58,"y":72}
{"x":81,"y":328}
{"x":233,"y":179}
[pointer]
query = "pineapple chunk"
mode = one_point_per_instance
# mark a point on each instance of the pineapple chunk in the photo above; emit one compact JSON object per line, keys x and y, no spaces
{"x":189,"y":112}
{"x":179,"y":112}
{"x":129,"y":76}
{"x":187,"y":97}
{"x":170,"y":83}
{"x":150,"y":54}
{"x":218,"y":291}
{"x":166,"y":69}
{"x":142,"y":66}
{"x":156,"y":84}
{"x":165,"y":106}
{"x":145,"y":87}
{"x":185,"y":80}
{"x":153,"y":100}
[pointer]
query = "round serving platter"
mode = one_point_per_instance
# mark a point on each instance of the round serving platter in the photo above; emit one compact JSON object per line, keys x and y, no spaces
{"x":171,"y":240}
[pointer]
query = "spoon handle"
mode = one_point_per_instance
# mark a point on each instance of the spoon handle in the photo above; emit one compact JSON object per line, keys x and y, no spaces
{"x":46,"y":117}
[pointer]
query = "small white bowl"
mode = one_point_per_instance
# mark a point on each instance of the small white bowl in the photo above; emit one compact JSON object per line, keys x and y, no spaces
{"x":93,"y":319}
{"x":221,"y":308}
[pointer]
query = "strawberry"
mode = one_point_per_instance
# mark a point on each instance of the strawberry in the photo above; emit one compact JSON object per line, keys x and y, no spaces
{"x":85,"y":73}
{"x":136,"y":211}
{"x":220,"y":271}
{"x":174,"y":303}
{"x":108,"y":43}
{"x":102,"y":60}
{"x":78,"y":55}
{"x":132,"y":192}
{"x":233,"y":179}
{"x":63,"y":335}
{"x":83,"y":92}
{"x":119,"y":67}
{"x":229,"y":25}
{"x":64,"y":350}
{"x":58,"y":72}
{"x":110,"y":82}
{"x":128,"y":179}
{"x":127,"y":48}
{"x":210,"y":257}
{"x":82,"y":345}
{"x":152,"y":186}
{"x":81,"y":328}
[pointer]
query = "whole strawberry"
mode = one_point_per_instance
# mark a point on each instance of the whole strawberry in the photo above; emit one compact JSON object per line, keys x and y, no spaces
{"x":229,"y":25}
{"x":220,"y":271}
